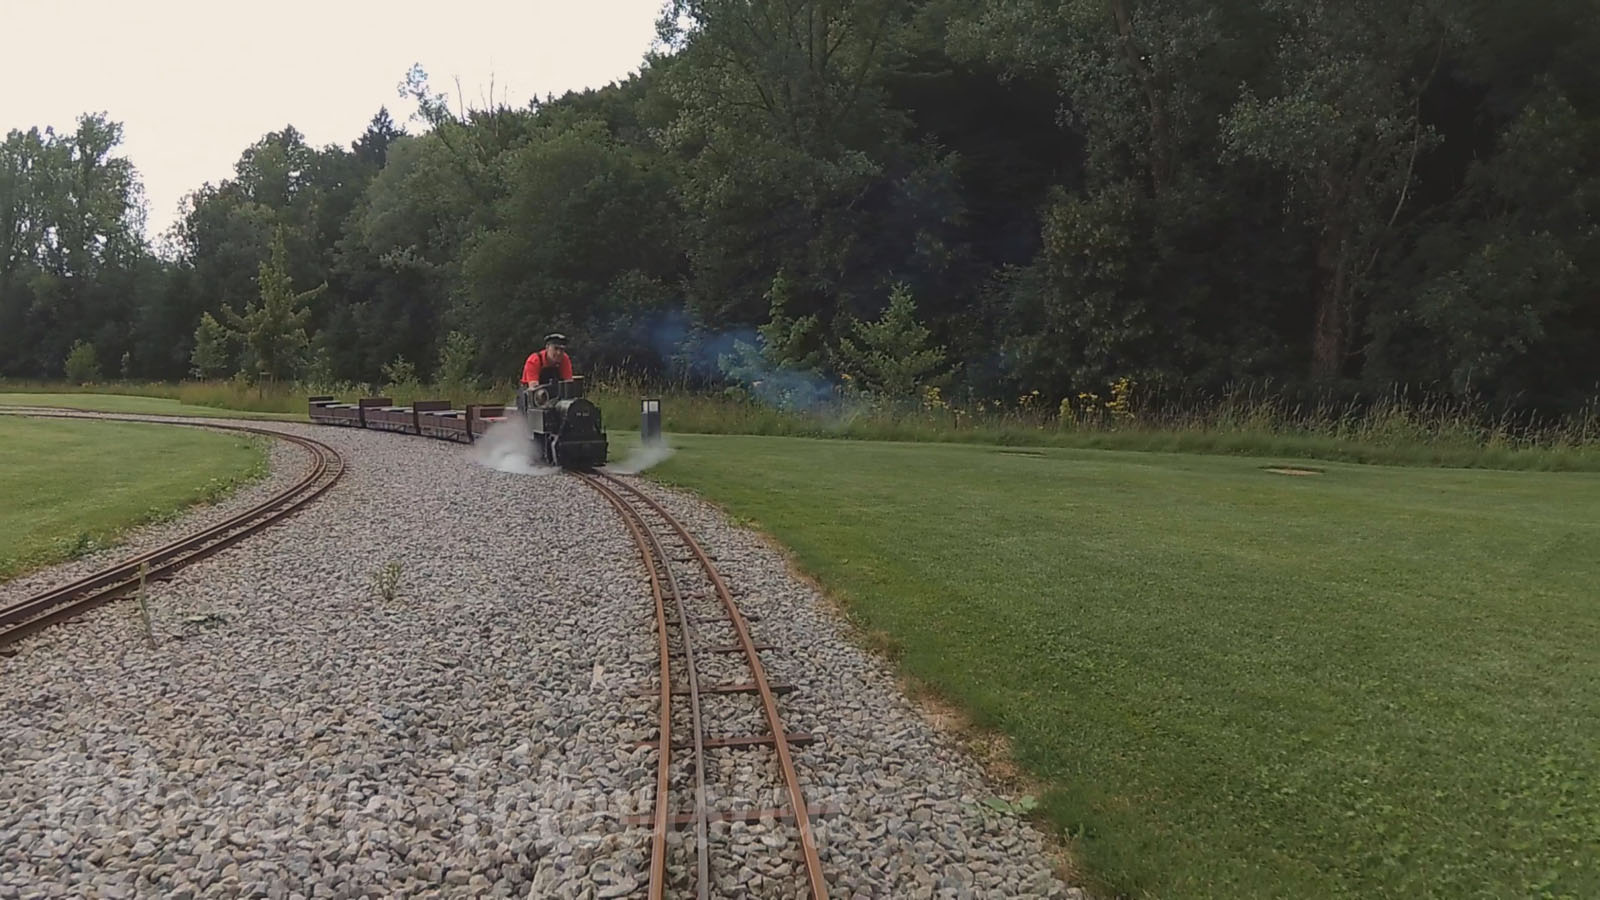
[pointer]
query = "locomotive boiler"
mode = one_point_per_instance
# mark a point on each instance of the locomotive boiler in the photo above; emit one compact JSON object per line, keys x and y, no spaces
{"x":564,"y":427}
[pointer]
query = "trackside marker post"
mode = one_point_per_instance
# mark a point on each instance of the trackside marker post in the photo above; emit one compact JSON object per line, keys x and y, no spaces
{"x":650,"y":428}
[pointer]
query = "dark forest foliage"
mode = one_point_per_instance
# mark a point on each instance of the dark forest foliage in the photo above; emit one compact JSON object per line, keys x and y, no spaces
{"x":1346,"y":196}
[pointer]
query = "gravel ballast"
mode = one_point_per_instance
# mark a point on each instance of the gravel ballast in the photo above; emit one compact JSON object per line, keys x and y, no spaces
{"x":299,"y":730}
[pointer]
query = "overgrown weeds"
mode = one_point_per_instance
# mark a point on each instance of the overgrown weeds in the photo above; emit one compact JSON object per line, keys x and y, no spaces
{"x":144,"y":606}
{"x":386,"y":581}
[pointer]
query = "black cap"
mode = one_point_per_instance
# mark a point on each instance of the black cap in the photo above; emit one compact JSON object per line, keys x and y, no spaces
{"x":559,"y":340}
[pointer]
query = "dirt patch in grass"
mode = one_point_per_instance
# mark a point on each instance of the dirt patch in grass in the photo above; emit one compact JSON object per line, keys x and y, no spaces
{"x":1291,"y":470}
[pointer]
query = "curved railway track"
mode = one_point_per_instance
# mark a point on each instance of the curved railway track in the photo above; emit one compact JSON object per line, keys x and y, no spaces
{"x":653,"y":528}
{"x":69,"y":600}
{"x":661,"y":540}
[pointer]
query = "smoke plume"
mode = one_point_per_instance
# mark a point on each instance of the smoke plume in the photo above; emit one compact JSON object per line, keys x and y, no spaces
{"x":738,"y":356}
{"x":505,"y":448}
{"x":643,"y":458}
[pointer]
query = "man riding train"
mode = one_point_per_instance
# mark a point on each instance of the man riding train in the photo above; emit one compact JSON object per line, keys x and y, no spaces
{"x":545,"y":368}
{"x":564,"y":427}
{"x":550,"y":365}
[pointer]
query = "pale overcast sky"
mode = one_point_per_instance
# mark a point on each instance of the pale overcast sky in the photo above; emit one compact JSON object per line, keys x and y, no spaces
{"x":195,"y":82}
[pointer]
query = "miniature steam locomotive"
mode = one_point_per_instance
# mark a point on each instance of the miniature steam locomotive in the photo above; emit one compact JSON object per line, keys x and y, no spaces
{"x":562,"y":426}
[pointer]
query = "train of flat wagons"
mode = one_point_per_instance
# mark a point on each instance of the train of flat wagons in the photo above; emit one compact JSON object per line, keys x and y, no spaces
{"x":562,"y":426}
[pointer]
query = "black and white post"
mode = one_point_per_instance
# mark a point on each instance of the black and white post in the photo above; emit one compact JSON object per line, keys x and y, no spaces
{"x":650,"y":429}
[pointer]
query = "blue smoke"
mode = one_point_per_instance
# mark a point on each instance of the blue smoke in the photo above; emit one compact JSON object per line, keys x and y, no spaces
{"x":776,"y":385}
{"x":736,"y":357}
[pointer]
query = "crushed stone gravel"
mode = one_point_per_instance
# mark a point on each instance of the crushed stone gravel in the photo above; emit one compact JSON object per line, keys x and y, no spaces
{"x":424,"y":685}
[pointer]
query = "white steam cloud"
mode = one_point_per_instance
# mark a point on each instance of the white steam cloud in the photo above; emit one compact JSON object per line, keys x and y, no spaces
{"x":505,"y":448}
{"x":643,"y":458}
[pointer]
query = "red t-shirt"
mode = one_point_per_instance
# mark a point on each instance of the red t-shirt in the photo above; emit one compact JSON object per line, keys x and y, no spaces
{"x":530,"y":369}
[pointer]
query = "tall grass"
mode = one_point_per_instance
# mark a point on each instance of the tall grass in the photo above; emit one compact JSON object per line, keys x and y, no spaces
{"x":1387,"y":429}
{"x":1392,"y":428}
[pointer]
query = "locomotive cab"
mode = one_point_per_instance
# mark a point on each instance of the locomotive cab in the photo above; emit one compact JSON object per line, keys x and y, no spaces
{"x":564,"y":427}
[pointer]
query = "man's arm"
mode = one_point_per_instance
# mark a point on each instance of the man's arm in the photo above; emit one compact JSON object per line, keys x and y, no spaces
{"x":530,"y":369}
{"x":566,"y":367}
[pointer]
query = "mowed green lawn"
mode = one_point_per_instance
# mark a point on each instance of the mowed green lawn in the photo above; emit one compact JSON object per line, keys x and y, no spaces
{"x":67,"y":487}
{"x":1373,"y":682}
{"x":128,"y":403}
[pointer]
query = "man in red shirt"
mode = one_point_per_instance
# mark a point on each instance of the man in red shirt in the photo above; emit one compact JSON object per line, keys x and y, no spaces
{"x":549,"y":365}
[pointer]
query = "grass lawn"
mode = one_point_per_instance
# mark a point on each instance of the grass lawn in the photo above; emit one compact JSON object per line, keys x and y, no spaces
{"x":69,"y":487}
{"x":1372,"y":682}
{"x":147,"y":406}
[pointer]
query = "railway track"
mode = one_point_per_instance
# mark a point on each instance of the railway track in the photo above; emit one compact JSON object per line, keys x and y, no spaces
{"x":69,"y":600}
{"x":695,"y":604}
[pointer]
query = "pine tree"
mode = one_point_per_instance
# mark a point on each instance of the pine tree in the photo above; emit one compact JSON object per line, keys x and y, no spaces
{"x":456,"y":360}
{"x":82,"y":365}
{"x":212,"y":355}
{"x":891,"y":356}
{"x":274,"y":331}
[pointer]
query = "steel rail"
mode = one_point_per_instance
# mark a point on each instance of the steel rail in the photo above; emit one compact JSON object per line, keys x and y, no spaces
{"x":797,"y":801}
{"x":663,"y":817}
{"x":67,"y":601}
{"x":686,"y":635}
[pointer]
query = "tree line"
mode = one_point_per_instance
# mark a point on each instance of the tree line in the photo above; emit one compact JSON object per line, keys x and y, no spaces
{"x":998,"y":197}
